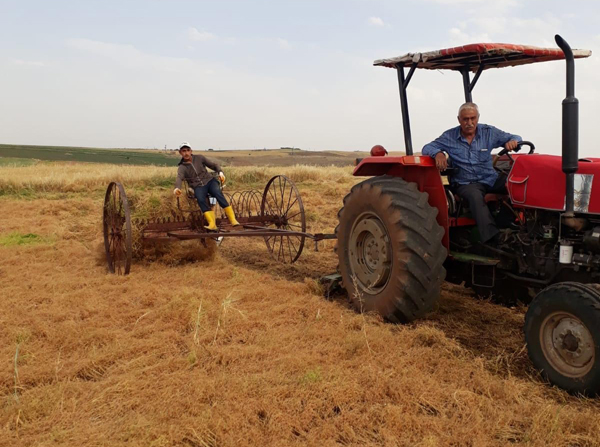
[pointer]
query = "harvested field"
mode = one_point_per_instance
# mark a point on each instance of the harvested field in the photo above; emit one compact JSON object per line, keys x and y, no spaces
{"x":238,"y":157}
{"x":229,"y":348}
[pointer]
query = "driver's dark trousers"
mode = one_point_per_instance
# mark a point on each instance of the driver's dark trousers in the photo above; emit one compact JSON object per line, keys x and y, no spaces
{"x":474,"y":194}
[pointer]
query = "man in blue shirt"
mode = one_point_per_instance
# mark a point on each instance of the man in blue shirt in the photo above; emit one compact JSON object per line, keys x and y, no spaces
{"x":469,"y":147}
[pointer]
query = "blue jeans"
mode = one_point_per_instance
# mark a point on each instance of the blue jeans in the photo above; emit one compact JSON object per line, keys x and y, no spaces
{"x":213,"y":189}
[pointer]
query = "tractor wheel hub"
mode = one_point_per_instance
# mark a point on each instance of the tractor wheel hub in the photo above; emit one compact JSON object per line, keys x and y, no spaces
{"x":370,"y":253}
{"x":567,"y":344}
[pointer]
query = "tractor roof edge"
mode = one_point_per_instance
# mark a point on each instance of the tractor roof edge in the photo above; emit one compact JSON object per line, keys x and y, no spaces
{"x":473,"y":56}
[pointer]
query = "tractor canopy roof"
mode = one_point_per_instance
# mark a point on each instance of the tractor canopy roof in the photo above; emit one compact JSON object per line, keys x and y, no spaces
{"x":478,"y":56}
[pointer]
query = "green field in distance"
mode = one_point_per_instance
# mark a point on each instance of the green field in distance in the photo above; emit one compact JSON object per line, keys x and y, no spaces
{"x":79,"y":154}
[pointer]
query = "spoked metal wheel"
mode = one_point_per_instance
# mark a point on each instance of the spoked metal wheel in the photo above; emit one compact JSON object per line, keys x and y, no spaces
{"x":281,"y":199}
{"x":117,"y":229}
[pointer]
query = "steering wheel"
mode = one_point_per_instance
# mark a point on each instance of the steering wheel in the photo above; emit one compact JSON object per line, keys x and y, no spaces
{"x":520,"y":144}
{"x":517,"y":149}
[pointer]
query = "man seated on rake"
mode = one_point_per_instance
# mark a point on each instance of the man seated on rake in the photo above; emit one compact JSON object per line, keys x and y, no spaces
{"x":469,"y":147}
{"x":192,"y":169}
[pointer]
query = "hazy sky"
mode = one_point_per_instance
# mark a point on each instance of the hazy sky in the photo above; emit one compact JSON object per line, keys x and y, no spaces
{"x":253,"y":74}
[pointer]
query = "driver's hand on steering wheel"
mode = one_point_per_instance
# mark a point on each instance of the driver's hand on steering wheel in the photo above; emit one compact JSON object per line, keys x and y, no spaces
{"x":511,"y":145}
{"x":440,"y":161}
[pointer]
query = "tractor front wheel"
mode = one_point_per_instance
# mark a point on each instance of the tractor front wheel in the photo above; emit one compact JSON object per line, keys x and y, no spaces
{"x":562,"y":331}
{"x":390,"y":249}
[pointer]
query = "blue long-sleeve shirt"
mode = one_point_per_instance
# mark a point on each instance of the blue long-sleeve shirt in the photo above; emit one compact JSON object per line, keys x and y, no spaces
{"x":473,"y":162}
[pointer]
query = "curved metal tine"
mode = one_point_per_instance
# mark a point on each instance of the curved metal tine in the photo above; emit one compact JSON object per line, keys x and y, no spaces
{"x":251,"y":211}
{"x":244,"y":199}
{"x":240,"y":202}
{"x":235,"y":198}
{"x":241,"y":206}
{"x":255,"y":206}
{"x":250,"y":199}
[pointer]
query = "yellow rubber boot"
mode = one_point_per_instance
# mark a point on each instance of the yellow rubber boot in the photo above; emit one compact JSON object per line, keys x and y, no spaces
{"x":231,"y":216}
{"x":209,"y":217}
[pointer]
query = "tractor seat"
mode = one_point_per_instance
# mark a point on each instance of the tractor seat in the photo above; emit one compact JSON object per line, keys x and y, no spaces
{"x":494,"y":197}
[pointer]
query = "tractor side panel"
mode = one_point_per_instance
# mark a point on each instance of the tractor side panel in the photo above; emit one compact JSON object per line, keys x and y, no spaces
{"x":416,"y":169}
{"x":537,"y":181}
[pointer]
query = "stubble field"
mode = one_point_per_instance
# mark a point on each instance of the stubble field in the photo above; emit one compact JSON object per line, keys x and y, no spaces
{"x":228,"y":348}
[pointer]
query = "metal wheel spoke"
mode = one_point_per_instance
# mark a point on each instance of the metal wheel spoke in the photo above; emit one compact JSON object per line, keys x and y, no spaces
{"x":282,"y":195}
{"x":274,"y":201}
{"x":294,"y":215}
{"x":289,"y":207}
{"x":281,"y":248}
{"x":290,"y":240}
{"x":289,"y":248}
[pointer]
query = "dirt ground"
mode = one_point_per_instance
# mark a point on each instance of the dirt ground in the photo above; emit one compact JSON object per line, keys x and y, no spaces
{"x":234,"y":349}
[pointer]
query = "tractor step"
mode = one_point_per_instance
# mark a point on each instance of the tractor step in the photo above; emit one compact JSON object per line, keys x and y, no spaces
{"x":472,"y":258}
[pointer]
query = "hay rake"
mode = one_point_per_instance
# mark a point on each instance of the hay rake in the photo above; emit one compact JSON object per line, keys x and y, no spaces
{"x":276,"y":214}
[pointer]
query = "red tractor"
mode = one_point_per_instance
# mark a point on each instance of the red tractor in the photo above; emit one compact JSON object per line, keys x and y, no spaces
{"x":402,"y":232}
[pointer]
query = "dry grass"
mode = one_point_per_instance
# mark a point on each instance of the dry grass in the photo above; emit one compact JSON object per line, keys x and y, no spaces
{"x":83,"y":177}
{"x":238,"y":350}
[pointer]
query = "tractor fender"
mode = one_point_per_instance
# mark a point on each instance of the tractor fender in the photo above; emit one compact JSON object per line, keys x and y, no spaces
{"x":417,"y":169}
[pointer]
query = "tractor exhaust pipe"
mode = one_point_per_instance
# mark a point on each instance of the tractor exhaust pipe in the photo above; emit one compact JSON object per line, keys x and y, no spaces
{"x":570,"y":127}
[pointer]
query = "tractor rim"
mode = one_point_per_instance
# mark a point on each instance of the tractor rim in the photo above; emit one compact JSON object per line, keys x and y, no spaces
{"x":567,"y":344}
{"x":370,"y":253}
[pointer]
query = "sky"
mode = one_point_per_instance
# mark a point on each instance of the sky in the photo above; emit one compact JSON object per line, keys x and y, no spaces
{"x":234,"y":74}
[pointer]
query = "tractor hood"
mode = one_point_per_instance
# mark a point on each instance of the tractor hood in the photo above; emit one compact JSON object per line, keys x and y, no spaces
{"x":537,"y":181}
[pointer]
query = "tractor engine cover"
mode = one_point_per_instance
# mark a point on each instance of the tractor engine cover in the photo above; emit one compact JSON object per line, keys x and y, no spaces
{"x":537,"y":181}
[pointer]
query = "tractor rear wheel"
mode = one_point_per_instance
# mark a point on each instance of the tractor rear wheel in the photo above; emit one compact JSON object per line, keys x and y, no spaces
{"x":562,"y":332}
{"x":390,"y":249}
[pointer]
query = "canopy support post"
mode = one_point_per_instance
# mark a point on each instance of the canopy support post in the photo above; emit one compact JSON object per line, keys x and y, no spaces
{"x":402,"y":84}
{"x":469,"y":85}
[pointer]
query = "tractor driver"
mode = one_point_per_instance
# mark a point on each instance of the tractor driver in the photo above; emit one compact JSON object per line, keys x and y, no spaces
{"x":192,"y":168}
{"x":469,"y":147}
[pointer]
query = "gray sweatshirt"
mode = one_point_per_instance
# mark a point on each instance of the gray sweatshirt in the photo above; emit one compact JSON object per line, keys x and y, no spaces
{"x":195,"y":173}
